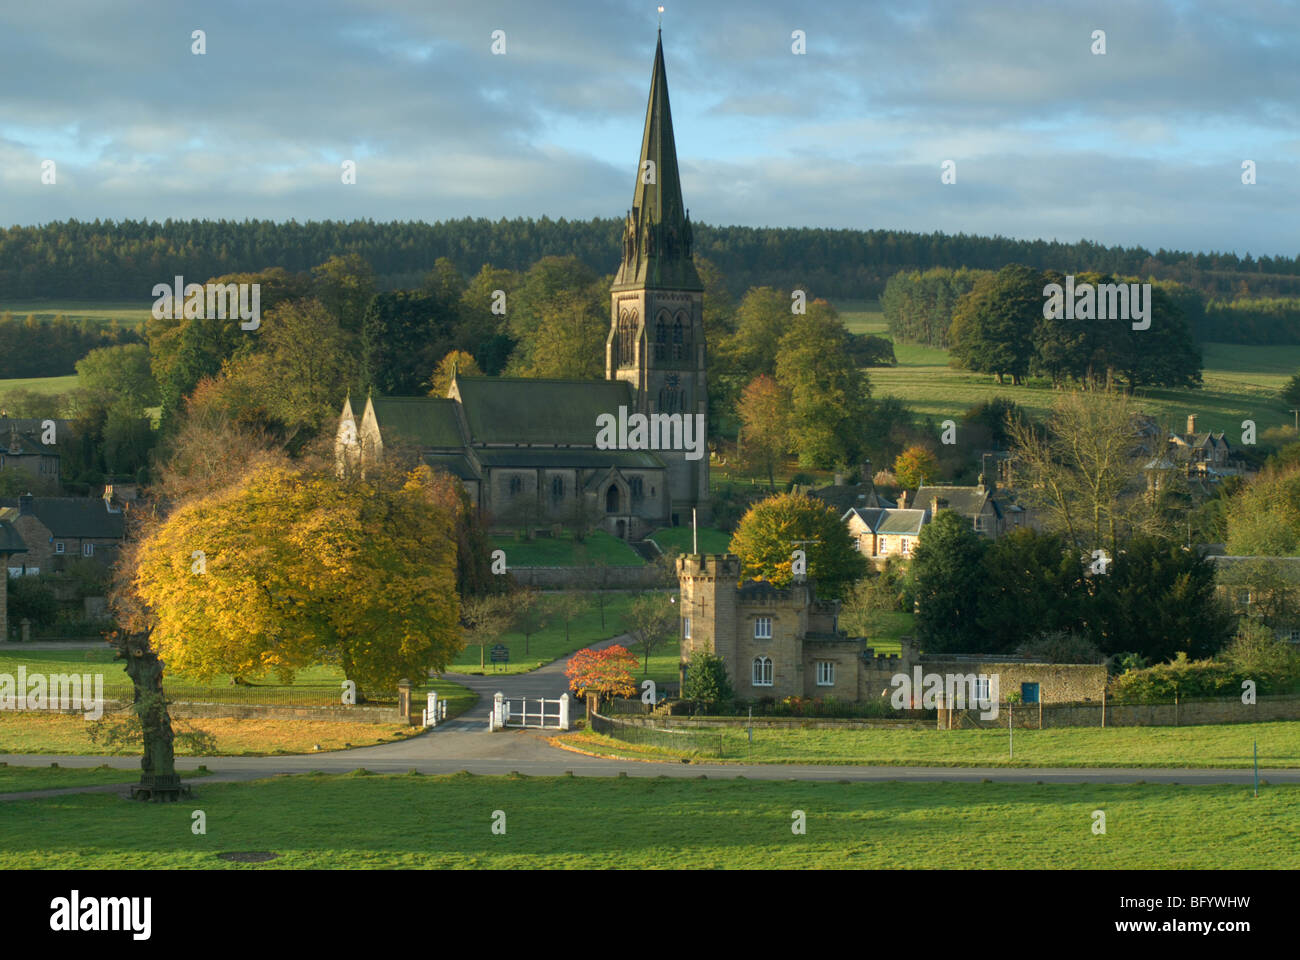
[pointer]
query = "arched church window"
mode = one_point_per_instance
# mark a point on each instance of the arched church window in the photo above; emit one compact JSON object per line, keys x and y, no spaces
{"x":611,"y":499}
{"x":634,"y":483}
{"x":557,"y":488}
{"x":679,"y":339}
{"x":627,"y":338}
{"x":661,"y":338}
{"x":516,"y":486}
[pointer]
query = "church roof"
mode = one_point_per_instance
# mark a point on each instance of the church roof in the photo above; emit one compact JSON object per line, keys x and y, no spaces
{"x":428,"y":421}
{"x":456,"y":464}
{"x":10,"y":541}
{"x":565,"y":457}
{"x":657,"y":234}
{"x":525,"y":410}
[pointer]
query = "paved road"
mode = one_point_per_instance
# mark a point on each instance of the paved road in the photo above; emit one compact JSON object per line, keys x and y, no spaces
{"x":465,"y":744}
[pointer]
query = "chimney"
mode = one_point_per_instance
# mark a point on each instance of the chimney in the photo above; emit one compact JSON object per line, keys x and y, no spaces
{"x":866,"y":473}
{"x":902,"y":500}
{"x":988,"y":481}
{"x":1191,"y":423}
{"x":934,"y":506}
{"x":839,"y":479}
{"x":25,"y":505}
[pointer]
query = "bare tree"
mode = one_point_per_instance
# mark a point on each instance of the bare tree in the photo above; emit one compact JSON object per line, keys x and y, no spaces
{"x":1085,"y":469}
{"x":484,"y":618}
{"x":650,"y":622}
{"x":529,"y":615}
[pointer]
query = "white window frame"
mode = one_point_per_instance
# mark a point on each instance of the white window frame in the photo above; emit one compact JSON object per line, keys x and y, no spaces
{"x":904,"y":547}
{"x":686,"y":628}
{"x":825,"y":673}
{"x":87,"y":549}
{"x":58,"y":546}
{"x":762,"y":672}
{"x":762,"y":628}
{"x":982,"y":689}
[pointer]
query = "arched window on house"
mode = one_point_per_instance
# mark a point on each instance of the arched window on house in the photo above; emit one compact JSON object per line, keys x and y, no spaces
{"x":762,"y":671}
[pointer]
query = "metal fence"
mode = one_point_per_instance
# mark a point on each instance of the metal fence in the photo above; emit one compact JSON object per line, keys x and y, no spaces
{"x":703,"y":743}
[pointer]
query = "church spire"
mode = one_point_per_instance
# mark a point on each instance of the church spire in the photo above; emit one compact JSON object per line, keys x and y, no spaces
{"x":657,"y":236}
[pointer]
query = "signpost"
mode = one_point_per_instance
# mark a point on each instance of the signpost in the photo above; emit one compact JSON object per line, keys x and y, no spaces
{"x":500,"y":653}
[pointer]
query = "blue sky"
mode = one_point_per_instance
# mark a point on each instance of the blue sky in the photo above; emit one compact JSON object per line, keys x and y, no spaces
{"x":1143,"y":145}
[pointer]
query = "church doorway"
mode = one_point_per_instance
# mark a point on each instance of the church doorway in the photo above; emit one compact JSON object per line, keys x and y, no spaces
{"x":611,"y":499}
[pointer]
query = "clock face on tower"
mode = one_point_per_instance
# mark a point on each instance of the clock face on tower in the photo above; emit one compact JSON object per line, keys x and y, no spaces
{"x":672,"y":380}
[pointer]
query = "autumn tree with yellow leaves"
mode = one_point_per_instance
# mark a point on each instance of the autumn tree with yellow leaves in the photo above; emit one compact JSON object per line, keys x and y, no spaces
{"x":287,"y":567}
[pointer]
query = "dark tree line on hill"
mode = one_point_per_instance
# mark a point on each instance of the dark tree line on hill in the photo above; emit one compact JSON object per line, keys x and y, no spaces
{"x":994,"y":323}
{"x":124,"y":259}
{"x":34,"y":348}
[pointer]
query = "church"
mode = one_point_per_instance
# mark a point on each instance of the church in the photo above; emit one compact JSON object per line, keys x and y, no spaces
{"x":526,"y":449}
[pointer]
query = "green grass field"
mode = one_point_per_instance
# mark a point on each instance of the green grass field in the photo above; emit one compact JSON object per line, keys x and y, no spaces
{"x":711,"y":539}
{"x":127,"y":313}
{"x":367,"y":822}
{"x":549,"y":644}
{"x":1240,"y":382}
{"x":40,"y":384}
{"x":561,"y":551}
{"x":1209,"y":746}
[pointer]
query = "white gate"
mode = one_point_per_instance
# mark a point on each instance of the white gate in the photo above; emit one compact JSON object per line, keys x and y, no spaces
{"x":536,"y":712}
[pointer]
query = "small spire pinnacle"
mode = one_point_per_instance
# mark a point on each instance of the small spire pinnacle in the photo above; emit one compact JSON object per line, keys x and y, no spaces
{"x":661,"y":18}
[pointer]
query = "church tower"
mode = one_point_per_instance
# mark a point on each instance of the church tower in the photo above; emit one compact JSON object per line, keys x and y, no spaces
{"x":656,"y":336}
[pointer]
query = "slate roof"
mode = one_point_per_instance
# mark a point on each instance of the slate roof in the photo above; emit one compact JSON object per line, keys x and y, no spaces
{"x":847,"y":496}
{"x":29,"y":434}
{"x":78,"y":517}
{"x":525,"y":410}
{"x":428,"y":421}
{"x":456,"y":464}
{"x":10,"y":542}
{"x":564,"y":457}
{"x":891,"y":520}
{"x":967,"y":501}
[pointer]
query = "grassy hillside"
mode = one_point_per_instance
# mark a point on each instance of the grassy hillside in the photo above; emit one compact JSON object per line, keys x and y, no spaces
{"x":129,"y":314}
{"x":1240,"y":382}
{"x":40,"y":384}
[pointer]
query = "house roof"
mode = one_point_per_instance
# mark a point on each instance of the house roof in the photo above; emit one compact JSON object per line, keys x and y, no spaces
{"x":901,"y":521}
{"x":10,"y":542}
{"x":79,"y":517}
{"x":968,"y":501}
{"x":847,"y":496}
{"x":567,"y":457}
{"x":428,"y":421}
{"x":27,"y":431}
{"x":525,"y":410}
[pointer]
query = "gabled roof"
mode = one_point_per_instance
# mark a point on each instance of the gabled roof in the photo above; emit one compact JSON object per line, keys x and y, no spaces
{"x":901,"y":522}
{"x":428,"y":421}
{"x":77,"y":517}
{"x":967,"y":501}
{"x":861,"y":496}
{"x":10,"y":542}
{"x":525,"y":410}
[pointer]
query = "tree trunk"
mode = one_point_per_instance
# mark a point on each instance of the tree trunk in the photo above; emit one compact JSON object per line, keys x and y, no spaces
{"x":158,"y":780}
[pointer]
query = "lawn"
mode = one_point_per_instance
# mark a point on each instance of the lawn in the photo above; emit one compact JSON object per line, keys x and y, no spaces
{"x":550,"y":643}
{"x":1210,"y":746}
{"x":19,"y":779}
{"x":359,"y":821}
{"x":561,"y":551}
{"x":712,"y":540}
{"x":44,"y":732}
{"x":319,"y":685}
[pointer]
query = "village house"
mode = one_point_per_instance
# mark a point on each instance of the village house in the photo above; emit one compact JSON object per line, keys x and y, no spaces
{"x":784,"y":642}
{"x":54,"y":529}
{"x":23,"y":450}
